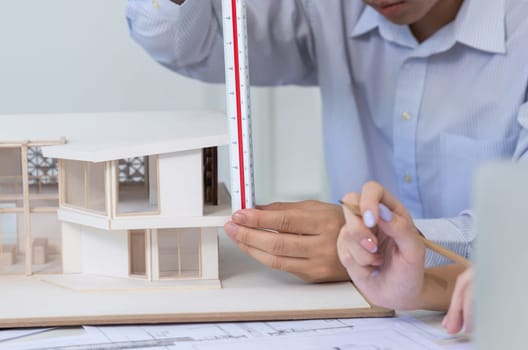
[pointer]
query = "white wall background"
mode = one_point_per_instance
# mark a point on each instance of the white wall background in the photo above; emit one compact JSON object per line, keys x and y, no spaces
{"x":76,"y":56}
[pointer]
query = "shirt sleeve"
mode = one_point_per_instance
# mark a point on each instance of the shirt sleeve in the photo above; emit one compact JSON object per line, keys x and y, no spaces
{"x":184,"y":38}
{"x":455,"y":234}
{"x":188,"y":39}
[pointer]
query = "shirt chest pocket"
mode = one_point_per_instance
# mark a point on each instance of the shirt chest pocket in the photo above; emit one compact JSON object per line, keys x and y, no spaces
{"x":460,"y":158}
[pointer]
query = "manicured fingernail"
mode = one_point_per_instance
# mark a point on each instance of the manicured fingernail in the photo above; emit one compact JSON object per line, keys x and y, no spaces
{"x":385,"y":213}
{"x":368,"y":219}
{"x":231,"y":229}
{"x":374,"y":273}
{"x":369,"y":245}
{"x":239,"y":217}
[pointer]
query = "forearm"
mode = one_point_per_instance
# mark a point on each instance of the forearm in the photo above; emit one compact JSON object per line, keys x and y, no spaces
{"x":438,"y":286}
{"x":186,"y":38}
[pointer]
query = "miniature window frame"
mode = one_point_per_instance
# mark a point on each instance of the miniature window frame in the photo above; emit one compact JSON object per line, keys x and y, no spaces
{"x":11,"y":182}
{"x":147,"y":247}
{"x":180,"y":274}
{"x":56,"y":269}
{"x":64,"y":183}
{"x":26,"y":210}
{"x":116,"y":185}
{"x":43,"y":180}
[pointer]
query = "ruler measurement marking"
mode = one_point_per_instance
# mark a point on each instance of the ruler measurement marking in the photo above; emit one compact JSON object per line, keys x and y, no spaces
{"x":236,"y":68}
{"x":238,"y":104}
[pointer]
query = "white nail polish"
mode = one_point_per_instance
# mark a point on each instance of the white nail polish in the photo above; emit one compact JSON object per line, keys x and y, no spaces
{"x":368,"y":219}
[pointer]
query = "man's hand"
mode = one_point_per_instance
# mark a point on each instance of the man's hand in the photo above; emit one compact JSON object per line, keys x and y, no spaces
{"x":299,"y":238}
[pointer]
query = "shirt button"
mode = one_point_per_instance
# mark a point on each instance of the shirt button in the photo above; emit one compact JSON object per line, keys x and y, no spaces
{"x":406,"y":116}
{"x":407,"y":179}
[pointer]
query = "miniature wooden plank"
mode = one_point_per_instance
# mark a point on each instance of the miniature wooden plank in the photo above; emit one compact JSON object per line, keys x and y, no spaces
{"x":250,"y":292}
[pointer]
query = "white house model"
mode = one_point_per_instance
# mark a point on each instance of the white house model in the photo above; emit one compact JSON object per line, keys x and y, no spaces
{"x":118,"y":197}
{"x":114,"y":218}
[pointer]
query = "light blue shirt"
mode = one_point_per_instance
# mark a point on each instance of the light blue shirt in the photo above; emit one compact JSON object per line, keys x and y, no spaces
{"x":418,"y":118}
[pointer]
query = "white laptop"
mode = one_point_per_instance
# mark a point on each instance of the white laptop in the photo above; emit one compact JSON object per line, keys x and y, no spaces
{"x":501,"y":257}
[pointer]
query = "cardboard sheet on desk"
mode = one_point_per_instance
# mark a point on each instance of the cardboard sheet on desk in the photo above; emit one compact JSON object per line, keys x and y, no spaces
{"x":250,"y":292}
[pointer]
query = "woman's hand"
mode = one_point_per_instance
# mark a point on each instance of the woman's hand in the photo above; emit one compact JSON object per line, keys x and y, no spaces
{"x":384,"y":256}
{"x":460,"y":314}
{"x":382,"y":251}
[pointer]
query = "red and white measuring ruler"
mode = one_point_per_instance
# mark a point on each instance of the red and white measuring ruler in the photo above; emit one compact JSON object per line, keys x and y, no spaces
{"x":238,"y":104}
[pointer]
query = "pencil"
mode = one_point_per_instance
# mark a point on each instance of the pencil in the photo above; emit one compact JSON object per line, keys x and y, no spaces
{"x":433,"y":246}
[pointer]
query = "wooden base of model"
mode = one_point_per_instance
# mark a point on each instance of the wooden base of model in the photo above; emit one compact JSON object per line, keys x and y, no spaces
{"x":249,"y":291}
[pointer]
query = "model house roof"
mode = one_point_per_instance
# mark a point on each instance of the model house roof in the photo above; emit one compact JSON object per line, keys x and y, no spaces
{"x":98,"y":137}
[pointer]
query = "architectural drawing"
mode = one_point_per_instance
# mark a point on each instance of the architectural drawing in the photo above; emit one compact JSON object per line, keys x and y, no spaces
{"x":403,"y":332}
{"x":124,"y":196}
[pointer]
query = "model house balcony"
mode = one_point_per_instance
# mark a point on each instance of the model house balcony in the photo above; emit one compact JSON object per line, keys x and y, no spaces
{"x":148,"y":182}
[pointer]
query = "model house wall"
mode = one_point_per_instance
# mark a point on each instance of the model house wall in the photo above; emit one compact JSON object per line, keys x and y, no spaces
{"x":71,"y":257}
{"x":104,"y":252}
{"x":181,"y":175}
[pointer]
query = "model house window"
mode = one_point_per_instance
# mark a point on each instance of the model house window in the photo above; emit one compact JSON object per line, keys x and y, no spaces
{"x":11,"y":186}
{"x":138,"y":253}
{"x":95,"y":185}
{"x":12,"y":233}
{"x":137,"y":185}
{"x":179,"y":253}
{"x":46,"y":247}
{"x":30,"y":237}
{"x":12,"y":243}
{"x":42,"y":179}
{"x":84,"y":185}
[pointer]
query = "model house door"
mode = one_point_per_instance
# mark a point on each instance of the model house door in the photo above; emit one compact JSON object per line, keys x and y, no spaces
{"x":138,"y":253}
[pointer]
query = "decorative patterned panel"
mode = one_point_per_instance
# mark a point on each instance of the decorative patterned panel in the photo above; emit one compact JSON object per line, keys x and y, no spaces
{"x":210,"y":177}
{"x":41,"y":169}
{"x":132,"y":170}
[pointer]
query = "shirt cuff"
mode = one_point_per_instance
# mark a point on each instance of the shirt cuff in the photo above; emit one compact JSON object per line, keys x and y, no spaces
{"x":455,"y":234}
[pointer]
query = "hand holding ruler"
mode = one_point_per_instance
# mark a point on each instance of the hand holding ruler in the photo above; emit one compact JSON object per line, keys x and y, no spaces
{"x":238,"y":104}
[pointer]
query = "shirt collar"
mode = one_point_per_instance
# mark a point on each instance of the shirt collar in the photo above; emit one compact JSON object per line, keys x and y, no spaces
{"x":368,"y":20}
{"x":482,"y":25}
{"x":479,"y":24}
